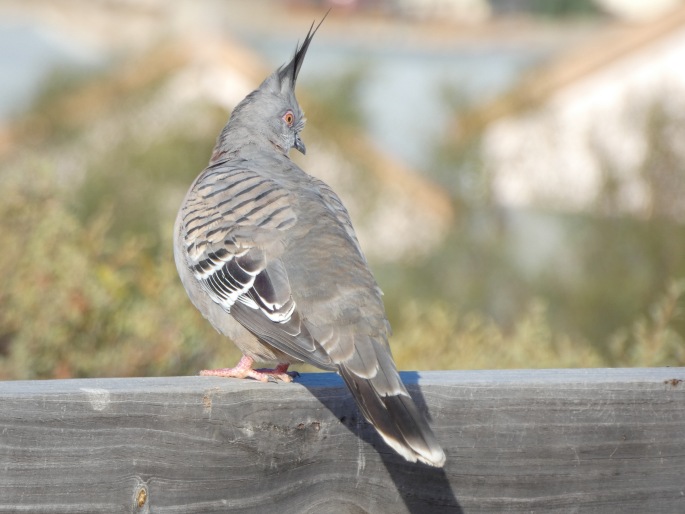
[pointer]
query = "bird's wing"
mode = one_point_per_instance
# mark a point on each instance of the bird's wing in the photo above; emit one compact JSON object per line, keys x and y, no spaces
{"x":232,"y":227}
{"x":336,"y":207}
{"x":344,"y":312}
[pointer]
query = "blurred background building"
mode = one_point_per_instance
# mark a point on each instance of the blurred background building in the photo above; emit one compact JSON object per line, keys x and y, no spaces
{"x":515,"y":171}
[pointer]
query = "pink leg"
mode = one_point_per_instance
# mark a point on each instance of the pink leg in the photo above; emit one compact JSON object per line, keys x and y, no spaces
{"x":281,"y":372}
{"x":244,"y":369}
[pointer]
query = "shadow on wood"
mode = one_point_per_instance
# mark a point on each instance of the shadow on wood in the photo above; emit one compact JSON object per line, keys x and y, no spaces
{"x":603,"y":440}
{"x":422,"y":488}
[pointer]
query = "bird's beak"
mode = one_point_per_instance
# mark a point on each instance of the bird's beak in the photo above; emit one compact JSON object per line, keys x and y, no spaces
{"x":299,"y":145}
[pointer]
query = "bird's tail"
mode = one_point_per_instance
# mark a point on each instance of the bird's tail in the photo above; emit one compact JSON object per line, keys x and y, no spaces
{"x":386,"y":404}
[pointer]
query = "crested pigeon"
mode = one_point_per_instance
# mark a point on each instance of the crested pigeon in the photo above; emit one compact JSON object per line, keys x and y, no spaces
{"x":268,"y":254}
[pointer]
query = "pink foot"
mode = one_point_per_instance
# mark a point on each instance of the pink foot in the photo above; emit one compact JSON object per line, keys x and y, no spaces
{"x":244,"y":370}
{"x":280,"y":372}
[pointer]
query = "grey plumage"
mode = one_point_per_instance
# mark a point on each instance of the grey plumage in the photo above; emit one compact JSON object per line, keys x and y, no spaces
{"x":269,"y":256}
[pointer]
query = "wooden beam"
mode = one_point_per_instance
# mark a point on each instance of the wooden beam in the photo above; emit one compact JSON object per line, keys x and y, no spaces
{"x":588,"y":440}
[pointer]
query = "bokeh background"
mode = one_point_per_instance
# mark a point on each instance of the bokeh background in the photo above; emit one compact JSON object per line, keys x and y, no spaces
{"x":515,"y":170}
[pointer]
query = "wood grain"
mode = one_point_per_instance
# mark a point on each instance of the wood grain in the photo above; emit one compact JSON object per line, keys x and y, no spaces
{"x":601,"y":440}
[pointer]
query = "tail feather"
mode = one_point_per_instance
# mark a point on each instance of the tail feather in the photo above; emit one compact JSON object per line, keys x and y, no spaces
{"x":397,"y":420}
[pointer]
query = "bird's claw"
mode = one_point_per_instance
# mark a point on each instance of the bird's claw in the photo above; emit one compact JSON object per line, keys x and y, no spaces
{"x":279,"y":373}
{"x":244,"y":370}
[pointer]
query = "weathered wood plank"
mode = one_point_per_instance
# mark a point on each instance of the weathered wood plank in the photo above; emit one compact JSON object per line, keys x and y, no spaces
{"x":602,"y":440}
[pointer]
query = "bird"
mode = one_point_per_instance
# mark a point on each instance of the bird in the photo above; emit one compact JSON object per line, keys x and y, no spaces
{"x":267,"y":253}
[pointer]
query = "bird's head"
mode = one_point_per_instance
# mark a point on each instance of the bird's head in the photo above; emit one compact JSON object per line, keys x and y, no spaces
{"x":271,"y":111}
{"x":282,"y":112}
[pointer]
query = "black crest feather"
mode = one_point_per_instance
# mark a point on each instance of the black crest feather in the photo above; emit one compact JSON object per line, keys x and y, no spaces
{"x":290,"y":71}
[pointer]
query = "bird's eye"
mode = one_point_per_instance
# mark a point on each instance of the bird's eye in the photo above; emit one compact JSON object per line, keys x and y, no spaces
{"x":289,"y":118}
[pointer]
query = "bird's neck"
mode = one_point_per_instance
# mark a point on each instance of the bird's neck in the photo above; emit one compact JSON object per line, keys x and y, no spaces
{"x":238,"y":140}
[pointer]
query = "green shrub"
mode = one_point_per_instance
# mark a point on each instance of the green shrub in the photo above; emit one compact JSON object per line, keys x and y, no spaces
{"x":77,"y":302}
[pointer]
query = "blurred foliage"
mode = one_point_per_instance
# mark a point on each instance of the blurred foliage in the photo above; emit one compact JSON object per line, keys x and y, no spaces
{"x":547,"y":8}
{"x":622,"y":266}
{"x":435,"y":336}
{"x":608,"y":271}
{"x":78,"y":302}
{"x":89,"y":287}
{"x":135,"y":178}
{"x":564,"y":8}
{"x":334,"y":102}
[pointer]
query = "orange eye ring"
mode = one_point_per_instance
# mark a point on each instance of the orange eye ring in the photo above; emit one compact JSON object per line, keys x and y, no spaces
{"x":289,"y":118}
